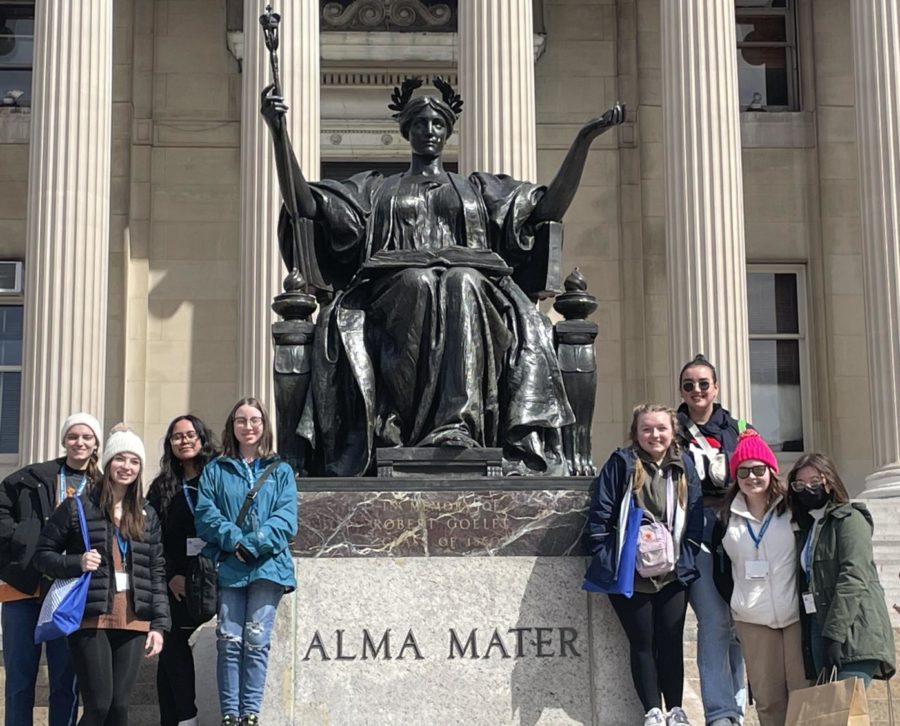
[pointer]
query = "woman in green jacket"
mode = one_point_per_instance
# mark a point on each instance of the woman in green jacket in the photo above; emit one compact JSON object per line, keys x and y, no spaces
{"x":845,"y":619}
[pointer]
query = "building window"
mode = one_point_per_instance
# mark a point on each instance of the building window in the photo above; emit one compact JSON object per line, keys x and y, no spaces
{"x":16,"y":52}
{"x":778,"y":354}
{"x":10,"y":376}
{"x":767,"y":55}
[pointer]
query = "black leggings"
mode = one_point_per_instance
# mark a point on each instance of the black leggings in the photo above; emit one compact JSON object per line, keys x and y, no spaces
{"x":175,"y":671}
{"x":106,"y":664}
{"x":654,"y":624}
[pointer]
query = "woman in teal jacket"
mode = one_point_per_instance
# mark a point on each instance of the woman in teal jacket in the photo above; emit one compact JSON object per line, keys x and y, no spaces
{"x":255,"y":565}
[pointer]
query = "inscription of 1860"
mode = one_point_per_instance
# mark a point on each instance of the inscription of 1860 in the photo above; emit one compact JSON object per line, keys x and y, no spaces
{"x":434,"y":523}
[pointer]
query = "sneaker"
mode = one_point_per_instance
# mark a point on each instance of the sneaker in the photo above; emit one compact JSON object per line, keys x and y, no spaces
{"x":723,"y":722}
{"x":677,"y":717}
{"x":230,"y":721}
{"x":654,"y":717}
{"x":251,"y":719}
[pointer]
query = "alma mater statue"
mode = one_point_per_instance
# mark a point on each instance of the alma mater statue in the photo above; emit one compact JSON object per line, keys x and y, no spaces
{"x":428,"y":340}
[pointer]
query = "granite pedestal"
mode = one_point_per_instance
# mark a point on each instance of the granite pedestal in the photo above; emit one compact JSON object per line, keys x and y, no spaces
{"x":454,"y":602}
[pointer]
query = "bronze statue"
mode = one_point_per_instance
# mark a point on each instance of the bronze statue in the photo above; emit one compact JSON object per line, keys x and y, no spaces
{"x":427,"y":339}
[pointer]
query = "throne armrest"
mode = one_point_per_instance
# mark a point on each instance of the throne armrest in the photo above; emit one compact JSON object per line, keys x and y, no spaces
{"x":540,"y":276}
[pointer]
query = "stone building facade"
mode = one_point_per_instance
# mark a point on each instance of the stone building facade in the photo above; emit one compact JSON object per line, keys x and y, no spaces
{"x":747,"y":208}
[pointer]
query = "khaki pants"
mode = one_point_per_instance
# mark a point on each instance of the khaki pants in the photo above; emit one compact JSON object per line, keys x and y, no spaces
{"x":774,"y":659}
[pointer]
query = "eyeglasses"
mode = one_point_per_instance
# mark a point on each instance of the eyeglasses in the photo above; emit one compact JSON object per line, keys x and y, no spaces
{"x":254,"y":422}
{"x":187,"y":436}
{"x":744,"y":471}
{"x":798,"y":485}
{"x":703,"y":384}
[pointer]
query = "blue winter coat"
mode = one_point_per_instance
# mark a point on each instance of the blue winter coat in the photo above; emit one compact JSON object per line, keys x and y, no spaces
{"x":268,"y":528}
{"x":607,"y":494}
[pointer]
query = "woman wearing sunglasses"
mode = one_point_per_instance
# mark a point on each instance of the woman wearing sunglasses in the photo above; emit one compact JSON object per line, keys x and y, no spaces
{"x":760,"y":576}
{"x":709,"y":433}
{"x":845,"y":619}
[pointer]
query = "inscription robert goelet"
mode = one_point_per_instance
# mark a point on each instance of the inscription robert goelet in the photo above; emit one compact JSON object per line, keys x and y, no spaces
{"x":474,"y":643}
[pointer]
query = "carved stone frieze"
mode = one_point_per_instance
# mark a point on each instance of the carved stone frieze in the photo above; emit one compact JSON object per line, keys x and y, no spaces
{"x":398,"y":15}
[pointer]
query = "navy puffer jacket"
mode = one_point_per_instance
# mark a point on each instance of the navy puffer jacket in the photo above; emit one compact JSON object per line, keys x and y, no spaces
{"x":607,"y":494}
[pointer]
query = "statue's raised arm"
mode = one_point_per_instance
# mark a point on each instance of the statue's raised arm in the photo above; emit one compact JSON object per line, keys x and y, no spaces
{"x":561,"y":190}
{"x":273,"y":110}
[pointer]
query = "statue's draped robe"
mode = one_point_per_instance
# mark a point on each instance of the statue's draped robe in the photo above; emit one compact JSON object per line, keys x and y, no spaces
{"x":430,"y":342}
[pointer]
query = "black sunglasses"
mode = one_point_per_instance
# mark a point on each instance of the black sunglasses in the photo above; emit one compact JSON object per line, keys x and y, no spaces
{"x":744,"y":471}
{"x":702,"y":384}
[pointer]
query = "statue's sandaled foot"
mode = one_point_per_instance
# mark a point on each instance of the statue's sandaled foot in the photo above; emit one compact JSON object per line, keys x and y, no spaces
{"x":456,"y":436}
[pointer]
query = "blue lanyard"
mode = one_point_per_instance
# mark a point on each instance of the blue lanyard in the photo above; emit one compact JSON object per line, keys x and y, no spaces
{"x":187,"y":497}
{"x":757,"y":540}
{"x":252,"y":470}
{"x":807,"y":551}
{"x":64,"y":489}
{"x":124,"y":544}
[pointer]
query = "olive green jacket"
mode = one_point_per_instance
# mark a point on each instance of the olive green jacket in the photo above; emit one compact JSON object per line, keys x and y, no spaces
{"x":849,"y":599}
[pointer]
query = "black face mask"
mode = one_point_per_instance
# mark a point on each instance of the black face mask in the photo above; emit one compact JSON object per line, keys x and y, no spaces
{"x":812,"y":498}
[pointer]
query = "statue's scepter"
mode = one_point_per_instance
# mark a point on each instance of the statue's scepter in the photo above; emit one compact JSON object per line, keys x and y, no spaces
{"x":296,"y":279}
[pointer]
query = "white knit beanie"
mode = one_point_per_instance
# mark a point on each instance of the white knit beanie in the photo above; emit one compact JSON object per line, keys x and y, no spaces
{"x":84,"y":419}
{"x":123,"y":439}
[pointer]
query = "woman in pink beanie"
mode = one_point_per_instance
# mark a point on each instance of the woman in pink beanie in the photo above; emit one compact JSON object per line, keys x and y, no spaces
{"x":758,"y":559}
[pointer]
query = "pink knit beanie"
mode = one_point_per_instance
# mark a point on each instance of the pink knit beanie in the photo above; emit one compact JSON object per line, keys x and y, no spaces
{"x":750,"y":446}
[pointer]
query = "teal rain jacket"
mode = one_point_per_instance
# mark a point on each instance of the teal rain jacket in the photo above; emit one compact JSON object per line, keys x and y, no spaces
{"x":268,"y":528}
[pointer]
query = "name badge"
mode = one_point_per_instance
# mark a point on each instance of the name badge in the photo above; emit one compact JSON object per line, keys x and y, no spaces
{"x":123,"y":582}
{"x":809,"y":603}
{"x":756,"y":569}
{"x":194,"y":546}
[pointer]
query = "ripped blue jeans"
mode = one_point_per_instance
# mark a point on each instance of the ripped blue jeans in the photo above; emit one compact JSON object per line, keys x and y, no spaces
{"x":243,"y":634}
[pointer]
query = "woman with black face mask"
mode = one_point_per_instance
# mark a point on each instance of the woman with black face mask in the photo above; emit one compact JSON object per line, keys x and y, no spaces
{"x":846,"y":625}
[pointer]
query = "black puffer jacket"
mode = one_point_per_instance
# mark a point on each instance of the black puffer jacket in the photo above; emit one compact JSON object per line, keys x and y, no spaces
{"x":26,"y":503}
{"x":145,"y":560}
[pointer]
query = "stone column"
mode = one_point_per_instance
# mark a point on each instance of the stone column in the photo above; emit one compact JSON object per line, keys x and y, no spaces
{"x":262,"y":270}
{"x":876,"y":38}
{"x":496,"y":78}
{"x":67,"y":227}
{"x":704,"y":196}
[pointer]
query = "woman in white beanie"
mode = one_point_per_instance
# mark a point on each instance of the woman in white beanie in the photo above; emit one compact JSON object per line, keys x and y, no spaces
{"x":27,"y":499}
{"x":127,"y":609}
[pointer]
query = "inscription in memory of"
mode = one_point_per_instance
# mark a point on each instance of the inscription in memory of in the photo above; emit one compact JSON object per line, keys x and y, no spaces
{"x":518,"y":642}
{"x":429,"y":524}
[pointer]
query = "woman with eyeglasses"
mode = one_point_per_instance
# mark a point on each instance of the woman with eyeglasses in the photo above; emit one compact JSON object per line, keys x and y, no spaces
{"x":758,"y":576}
{"x":187,"y":448}
{"x":709,"y":434}
{"x":255,"y":565}
{"x":846,"y":625}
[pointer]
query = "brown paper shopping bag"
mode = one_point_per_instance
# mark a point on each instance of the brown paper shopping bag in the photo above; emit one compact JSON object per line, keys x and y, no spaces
{"x":835,"y":703}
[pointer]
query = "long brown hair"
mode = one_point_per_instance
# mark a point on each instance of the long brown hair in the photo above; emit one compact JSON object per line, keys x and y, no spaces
{"x":674,"y":451}
{"x":131,"y":523}
{"x":828,"y":470}
{"x":230,"y":445}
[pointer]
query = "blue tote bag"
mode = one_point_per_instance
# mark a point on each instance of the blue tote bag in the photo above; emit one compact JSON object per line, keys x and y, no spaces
{"x":623,"y":584}
{"x":63,"y":607}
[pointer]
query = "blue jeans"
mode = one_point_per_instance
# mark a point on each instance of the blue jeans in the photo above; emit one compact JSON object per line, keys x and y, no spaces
{"x":719,"y":657}
{"x":21,"y":658}
{"x":243,"y":633}
{"x":865,"y":669}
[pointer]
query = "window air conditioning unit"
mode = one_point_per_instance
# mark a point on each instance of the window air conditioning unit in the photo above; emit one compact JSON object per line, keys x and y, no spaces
{"x":10,"y":277}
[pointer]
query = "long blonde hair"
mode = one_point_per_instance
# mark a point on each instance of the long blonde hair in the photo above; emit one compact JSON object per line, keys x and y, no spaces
{"x":639,"y":476}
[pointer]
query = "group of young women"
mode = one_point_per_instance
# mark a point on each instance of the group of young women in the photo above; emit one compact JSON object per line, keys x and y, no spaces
{"x":780,"y":575}
{"x":139,"y":555}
